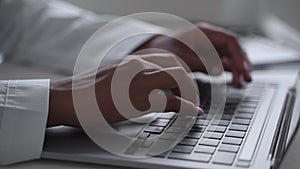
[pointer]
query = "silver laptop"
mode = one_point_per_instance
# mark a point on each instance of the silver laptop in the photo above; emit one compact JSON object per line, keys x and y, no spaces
{"x":253,"y":130}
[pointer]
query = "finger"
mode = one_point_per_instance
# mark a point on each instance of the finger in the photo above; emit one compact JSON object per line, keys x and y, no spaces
{"x":166,"y":78}
{"x":235,"y":75}
{"x":162,"y":59}
{"x":236,"y":55}
{"x":177,"y":104}
{"x":165,"y":60}
{"x":173,"y":78}
{"x":176,"y":91}
{"x":226,"y":63}
{"x":249,"y":66}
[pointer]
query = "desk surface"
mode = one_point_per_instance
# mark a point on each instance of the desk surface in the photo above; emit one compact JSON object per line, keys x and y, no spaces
{"x":286,"y":75}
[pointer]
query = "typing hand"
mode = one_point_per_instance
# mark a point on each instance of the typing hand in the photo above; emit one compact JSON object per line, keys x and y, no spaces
{"x":231,"y":54}
{"x":155,"y":74}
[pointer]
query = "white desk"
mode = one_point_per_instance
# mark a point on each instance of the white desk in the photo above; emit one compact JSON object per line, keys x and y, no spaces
{"x":51,"y":164}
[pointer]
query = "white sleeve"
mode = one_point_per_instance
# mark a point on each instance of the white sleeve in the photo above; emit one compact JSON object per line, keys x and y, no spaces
{"x":51,"y":33}
{"x":23,"y":119}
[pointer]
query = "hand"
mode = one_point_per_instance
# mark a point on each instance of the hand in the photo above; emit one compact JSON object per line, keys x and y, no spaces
{"x":232,"y":56}
{"x":153,"y":76}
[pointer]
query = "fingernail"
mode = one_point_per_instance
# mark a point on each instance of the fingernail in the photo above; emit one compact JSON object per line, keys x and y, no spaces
{"x":216,"y":70}
{"x":200,"y":111}
{"x":249,"y":78}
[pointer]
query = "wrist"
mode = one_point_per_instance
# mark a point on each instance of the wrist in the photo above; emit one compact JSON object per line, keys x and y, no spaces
{"x":53,"y":115}
{"x":61,"y":109}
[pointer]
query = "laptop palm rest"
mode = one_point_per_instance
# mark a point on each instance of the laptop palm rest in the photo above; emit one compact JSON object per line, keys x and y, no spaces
{"x":69,"y":140}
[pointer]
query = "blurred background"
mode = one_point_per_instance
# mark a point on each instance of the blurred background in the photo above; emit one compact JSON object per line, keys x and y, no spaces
{"x":225,"y":12}
{"x":269,"y":29}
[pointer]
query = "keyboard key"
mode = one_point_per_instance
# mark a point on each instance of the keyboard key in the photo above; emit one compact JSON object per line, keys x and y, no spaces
{"x":241,"y":121}
{"x":202,"y":122}
{"x":224,"y":117}
{"x":162,"y":155}
{"x":189,"y":142}
{"x":134,"y":146}
{"x":205,"y":117}
{"x":175,"y":129}
{"x":160,"y":145}
{"x":170,"y":136}
{"x":160,"y":122}
{"x":144,"y":135}
{"x":229,"y":148}
{"x":244,"y":115}
{"x":198,"y":128}
{"x":205,"y":149}
{"x":228,"y":112}
{"x":224,"y":158}
{"x":192,"y":157}
{"x":249,"y":104}
{"x":254,"y":95}
{"x":192,"y":134}
{"x":221,"y":122}
{"x":256,"y":86}
{"x":232,"y":133}
{"x":220,"y":129}
{"x":251,"y":99}
{"x":180,"y":123}
{"x":131,"y":150}
{"x":231,"y":140}
{"x":185,"y":118}
{"x":154,"y":129}
{"x":242,"y":164}
{"x":246,"y":110}
{"x":147,"y":144}
{"x":167,"y":116}
{"x":238,"y":127}
{"x":209,"y":142}
{"x":213,"y":135}
{"x":183,"y":149}
{"x":232,"y":101}
{"x":236,"y":92}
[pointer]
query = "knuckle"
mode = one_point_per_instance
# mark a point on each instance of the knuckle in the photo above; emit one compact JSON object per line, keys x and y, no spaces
{"x":172,"y":56}
{"x":181,"y":70}
{"x":135,"y":61}
{"x":232,"y":38}
{"x":168,"y":56}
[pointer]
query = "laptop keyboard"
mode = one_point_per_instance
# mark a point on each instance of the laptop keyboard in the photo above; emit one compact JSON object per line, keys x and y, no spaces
{"x":214,"y":138}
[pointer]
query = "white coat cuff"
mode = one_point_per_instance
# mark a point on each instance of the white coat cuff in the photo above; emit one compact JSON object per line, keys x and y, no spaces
{"x":23,"y":118}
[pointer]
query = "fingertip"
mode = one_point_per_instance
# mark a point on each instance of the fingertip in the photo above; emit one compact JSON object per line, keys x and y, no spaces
{"x":247,"y":69}
{"x":200,"y":111}
{"x":249,"y":78}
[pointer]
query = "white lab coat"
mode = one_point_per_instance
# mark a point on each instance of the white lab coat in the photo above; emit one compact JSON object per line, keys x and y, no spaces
{"x":47,"y":34}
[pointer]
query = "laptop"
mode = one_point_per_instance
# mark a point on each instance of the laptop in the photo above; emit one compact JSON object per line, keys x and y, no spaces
{"x":257,"y":128}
